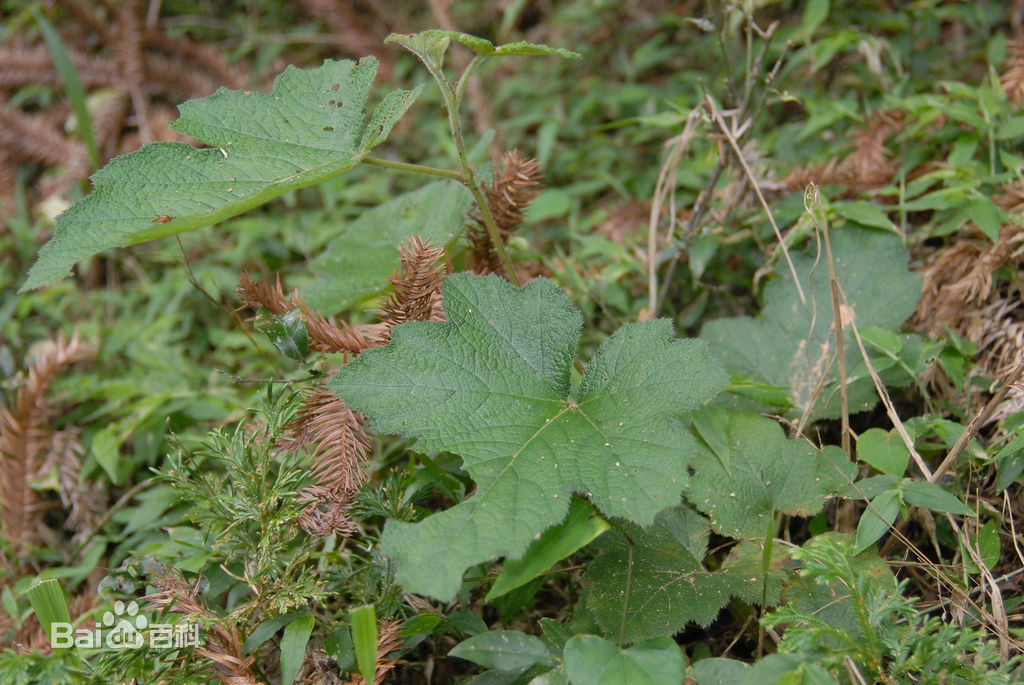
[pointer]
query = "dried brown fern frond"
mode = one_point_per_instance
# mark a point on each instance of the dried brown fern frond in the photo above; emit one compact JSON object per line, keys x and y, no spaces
{"x":417,"y":285}
{"x":339,"y":456}
{"x":223,"y":646}
{"x":388,"y":640}
{"x":85,"y":500}
{"x":515,"y":185}
{"x":25,"y":436}
{"x":868,"y":165}
{"x":339,"y":434}
{"x":324,"y":336}
{"x":1012,"y":80}
{"x":328,"y":513}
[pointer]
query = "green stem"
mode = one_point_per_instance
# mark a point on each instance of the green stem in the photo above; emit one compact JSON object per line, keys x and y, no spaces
{"x":451,"y":103}
{"x":414,"y":168}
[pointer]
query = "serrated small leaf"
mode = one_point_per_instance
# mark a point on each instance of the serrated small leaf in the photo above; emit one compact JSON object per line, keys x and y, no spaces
{"x":503,"y":650}
{"x":655,"y":584}
{"x":793,"y":344}
{"x":310,"y":128}
{"x":432,"y":44}
{"x":883,"y":450}
{"x":590,"y":660}
{"x":744,"y":568}
{"x":877,"y":518}
{"x":580,"y":527}
{"x":493,"y":385}
{"x":287,"y":331}
{"x":933,"y":496}
{"x":769,"y":474}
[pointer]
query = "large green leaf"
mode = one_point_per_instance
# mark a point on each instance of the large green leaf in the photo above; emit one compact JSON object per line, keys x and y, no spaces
{"x":652,"y":582}
{"x":794,"y":345}
{"x":359,"y":260}
{"x":311,"y":127}
{"x":589,"y":660}
{"x":493,"y":385}
{"x":765,"y":474}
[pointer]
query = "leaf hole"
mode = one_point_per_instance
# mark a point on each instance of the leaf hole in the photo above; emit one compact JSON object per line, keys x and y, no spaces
{"x":328,"y":128}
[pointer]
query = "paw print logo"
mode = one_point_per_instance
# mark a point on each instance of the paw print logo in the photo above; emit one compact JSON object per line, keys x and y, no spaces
{"x":123,"y":626}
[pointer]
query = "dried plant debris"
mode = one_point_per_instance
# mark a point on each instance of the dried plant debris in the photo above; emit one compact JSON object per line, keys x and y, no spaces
{"x":869,"y":165}
{"x":515,"y":185}
{"x":223,"y":644}
{"x":1012,"y":80}
{"x":131,"y":68}
{"x":963,"y":291}
{"x":29,"y":447}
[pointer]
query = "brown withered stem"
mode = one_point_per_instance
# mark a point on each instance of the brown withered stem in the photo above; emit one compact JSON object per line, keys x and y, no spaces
{"x":25,"y":439}
{"x":515,"y":185}
{"x":223,"y":645}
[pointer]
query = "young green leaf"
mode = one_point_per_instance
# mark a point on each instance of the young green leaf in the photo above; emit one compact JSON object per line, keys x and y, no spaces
{"x":883,"y":450}
{"x":767,"y":474}
{"x":364,"y":639}
{"x":503,"y":650}
{"x":652,"y":583}
{"x":432,"y":44}
{"x":795,"y":345}
{"x":932,"y":496}
{"x":287,"y":331}
{"x":493,"y":385}
{"x":590,"y":660}
{"x":580,"y":527}
{"x":49,"y":604}
{"x":877,"y":518}
{"x":310,"y":128}
{"x":293,"y":647}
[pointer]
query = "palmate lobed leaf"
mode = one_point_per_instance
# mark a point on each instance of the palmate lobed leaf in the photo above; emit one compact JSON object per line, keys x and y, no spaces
{"x":794,"y":344}
{"x":493,"y":385}
{"x":764,"y":474}
{"x":310,"y":128}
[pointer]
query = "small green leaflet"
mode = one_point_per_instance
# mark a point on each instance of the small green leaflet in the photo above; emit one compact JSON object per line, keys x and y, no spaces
{"x":763,"y":474}
{"x":433,"y":43}
{"x":794,"y":345}
{"x":503,"y":650}
{"x":493,"y":385}
{"x":310,"y":128}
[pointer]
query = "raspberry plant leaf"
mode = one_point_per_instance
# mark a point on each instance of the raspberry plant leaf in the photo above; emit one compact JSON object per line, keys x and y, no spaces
{"x":794,"y":345}
{"x":652,"y":582}
{"x":310,"y":128}
{"x":493,"y":385}
{"x":763,"y":474}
